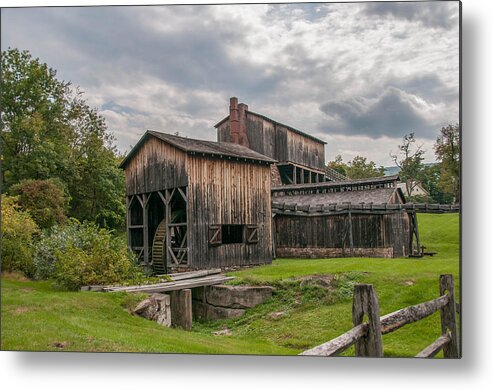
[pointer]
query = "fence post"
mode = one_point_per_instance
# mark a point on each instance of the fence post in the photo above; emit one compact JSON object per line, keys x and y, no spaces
{"x":448,"y":317}
{"x":365,"y":301}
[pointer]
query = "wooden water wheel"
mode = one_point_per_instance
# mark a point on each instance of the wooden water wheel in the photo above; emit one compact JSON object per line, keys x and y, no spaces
{"x":158,"y":249}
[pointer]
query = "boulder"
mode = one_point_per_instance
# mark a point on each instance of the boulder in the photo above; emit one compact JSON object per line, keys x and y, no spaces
{"x":155,"y":308}
{"x":237,"y":297}
{"x":206,"y":312}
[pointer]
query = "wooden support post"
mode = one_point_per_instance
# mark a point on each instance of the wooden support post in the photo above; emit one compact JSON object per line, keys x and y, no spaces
{"x":181,"y":309}
{"x":145,"y":208}
{"x":448,"y":317}
{"x":351,"y":245}
{"x":129,"y":221}
{"x":295,"y":181}
{"x":167,"y":216}
{"x":365,"y":301}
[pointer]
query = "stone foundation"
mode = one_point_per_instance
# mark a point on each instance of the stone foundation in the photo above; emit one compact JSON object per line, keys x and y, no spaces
{"x":221,"y":302}
{"x":320,"y":253}
{"x":156,"y":308}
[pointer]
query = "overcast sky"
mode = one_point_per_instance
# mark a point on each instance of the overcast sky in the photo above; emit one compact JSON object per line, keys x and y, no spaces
{"x":357,"y":75}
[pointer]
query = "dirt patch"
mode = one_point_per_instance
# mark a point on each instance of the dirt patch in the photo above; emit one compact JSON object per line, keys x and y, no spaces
{"x":15,"y":276}
{"x":21,"y":310}
{"x":277,"y":314}
{"x":59,"y":344}
{"x":27,"y":289}
{"x":409,"y":282}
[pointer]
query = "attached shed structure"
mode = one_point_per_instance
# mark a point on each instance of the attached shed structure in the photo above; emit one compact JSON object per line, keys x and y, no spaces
{"x":325,"y":224}
{"x":194,"y":204}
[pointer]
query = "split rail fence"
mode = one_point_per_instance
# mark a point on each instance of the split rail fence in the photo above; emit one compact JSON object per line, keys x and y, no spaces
{"x":367,"y":336}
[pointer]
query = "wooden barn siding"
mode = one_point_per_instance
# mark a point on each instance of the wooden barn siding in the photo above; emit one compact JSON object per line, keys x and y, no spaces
{"x":369,"y":231}
{"x":278,"y":142}
{"x":156,"y":166}
{"x":227,"y":192}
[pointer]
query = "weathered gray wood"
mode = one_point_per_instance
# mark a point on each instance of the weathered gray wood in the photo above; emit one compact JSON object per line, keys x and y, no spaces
{"x":397,"y":319}
{"x":173,"y":286}
{"x":432,"y":349}
{"x":340,"y":343}
{"x":145,"y":207}
{"x":448,"y":317}
{"x":194,"y":274}
{"x":350,"y":227}
{"x":365,"y":302}
{"x":181,"y":309}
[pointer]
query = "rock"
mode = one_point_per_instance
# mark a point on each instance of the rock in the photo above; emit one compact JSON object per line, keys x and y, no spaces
{"x":223,"y":332}
{"x":237,"y":297}
{"x":277,"y":314}
{"x":155,"y":308}
{"x":319,"y":280}
{"x":204,"y":311}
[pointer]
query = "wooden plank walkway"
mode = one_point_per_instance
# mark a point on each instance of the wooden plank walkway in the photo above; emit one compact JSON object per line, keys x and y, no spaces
{"x":171,"y":282}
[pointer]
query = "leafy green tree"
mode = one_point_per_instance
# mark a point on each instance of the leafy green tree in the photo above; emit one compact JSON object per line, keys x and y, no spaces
{"x":409,"y":159}
{"x":338,"y":165}
{"x":51,"y":132}
{"x":45,"y":200}
{"x":447,"y":152}
{"x":358,"y":168}
{"x":36,"y":138}
{"x":430,"y":180}
{"x":18,"y":231}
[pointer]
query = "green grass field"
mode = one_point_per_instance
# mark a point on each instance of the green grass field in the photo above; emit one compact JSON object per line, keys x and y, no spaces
{"x":35,"y":316}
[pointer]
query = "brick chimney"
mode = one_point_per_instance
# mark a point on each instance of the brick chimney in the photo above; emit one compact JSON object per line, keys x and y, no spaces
{"x":237,"y":122}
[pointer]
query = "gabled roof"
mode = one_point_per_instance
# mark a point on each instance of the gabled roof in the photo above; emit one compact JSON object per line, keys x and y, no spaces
{"x":196,"y":146}
{"x":375,"y":196}
{"x":277,"y":123}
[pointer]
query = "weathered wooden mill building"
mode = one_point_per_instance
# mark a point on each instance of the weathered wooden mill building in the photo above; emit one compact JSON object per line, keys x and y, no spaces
{"x":300,"y":157}
{"x":338,"y":219}
{"x":195,"y":204}
{"x":261,"y":190}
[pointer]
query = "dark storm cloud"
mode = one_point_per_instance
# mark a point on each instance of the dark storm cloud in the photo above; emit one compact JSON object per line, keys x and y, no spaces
{"x":437,"y":14}
{"x":341,"y":71}
{"x":194,"y":53}
{"x":393,"y":113}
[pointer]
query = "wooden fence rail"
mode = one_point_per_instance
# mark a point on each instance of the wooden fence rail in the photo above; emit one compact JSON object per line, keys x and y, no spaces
{"x":367,"y":336}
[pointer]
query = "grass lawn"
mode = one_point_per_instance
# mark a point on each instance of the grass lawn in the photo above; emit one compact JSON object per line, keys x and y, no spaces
{"x":35,"y":316}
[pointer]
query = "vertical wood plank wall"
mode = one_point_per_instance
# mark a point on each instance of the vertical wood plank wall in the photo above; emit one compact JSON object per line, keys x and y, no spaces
{"x":295,"y":235}
{"x":278,"y":142}
{"x":156,"y":166}
{"x":228,"y":192}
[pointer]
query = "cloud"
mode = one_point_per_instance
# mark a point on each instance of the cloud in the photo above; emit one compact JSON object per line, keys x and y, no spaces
{"x":393,"y":113}
{"x":435,"y":14}
{"x":334,"y":69}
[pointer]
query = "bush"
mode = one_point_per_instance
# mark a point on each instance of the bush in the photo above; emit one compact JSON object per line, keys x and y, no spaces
{"x":18,"y":231}
{"x":76,"y":255}
{"x":45,"y":200}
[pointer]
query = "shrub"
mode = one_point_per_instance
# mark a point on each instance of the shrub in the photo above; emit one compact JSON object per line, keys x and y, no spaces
{"x":78,"y":254}
{"x":45,"y":200}
{"x":18,"y":230}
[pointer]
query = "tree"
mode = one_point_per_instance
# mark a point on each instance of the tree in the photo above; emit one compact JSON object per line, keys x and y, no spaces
{"x":44,"y":200}
{"x":18,"y":230}
{"x":430,"y":180}
{"x":447,"y":152}
{"x":51,"y":132}
{"x":338,"y":165}
{"x":358,"y":168}
{"x":409,"y":159}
